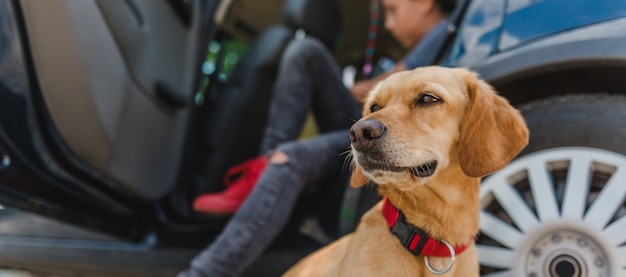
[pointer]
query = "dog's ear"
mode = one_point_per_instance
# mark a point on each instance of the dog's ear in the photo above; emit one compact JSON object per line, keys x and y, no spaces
{"x":358,"y":178}
{"x":492,"y":133}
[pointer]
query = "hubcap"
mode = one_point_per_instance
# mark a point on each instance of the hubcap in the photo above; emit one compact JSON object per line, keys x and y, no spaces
{"x":566,"y":253}
{"x":558,"y":212}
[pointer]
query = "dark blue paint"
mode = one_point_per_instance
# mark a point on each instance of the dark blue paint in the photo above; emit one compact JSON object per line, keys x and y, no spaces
{"x":521,"y":22}
{"x":546,"y":17}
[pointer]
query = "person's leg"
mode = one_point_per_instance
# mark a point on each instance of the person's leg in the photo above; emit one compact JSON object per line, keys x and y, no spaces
{"x":265,"y":212}
{"x":308,"y":75}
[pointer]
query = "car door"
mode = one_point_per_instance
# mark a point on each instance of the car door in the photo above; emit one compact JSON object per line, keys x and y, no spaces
{"x":96,"y":109}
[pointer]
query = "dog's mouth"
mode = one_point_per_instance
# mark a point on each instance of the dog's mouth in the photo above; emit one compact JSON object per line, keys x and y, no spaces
{"x":422,"y":170}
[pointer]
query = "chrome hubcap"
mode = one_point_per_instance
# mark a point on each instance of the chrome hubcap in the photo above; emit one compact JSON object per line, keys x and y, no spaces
{"x":557,"y":212}
{"x":566,"y":253}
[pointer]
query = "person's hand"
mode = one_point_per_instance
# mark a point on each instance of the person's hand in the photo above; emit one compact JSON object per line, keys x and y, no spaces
{"x":361,"y":89}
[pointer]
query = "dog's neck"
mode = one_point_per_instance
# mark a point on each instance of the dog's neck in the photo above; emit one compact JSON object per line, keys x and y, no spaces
{"x":446,"y":207}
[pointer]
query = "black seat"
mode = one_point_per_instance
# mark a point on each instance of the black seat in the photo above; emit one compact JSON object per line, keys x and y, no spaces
{"x":236,"y":117}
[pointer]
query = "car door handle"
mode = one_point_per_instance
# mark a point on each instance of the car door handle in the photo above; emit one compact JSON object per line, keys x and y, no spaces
{"x":169,"y":95}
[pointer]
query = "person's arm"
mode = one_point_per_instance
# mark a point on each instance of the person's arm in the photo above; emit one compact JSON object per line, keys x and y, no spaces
{"x":361,"y":89}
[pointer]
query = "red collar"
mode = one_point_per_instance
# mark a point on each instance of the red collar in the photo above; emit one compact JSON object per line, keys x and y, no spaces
{"x":412,"y":238}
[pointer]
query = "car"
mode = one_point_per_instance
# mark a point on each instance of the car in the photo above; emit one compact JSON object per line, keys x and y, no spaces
{"x":559,"y":208}
{"x":115,"y":114}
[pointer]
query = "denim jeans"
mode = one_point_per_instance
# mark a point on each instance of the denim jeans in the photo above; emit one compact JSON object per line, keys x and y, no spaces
{"x":308,"y":78}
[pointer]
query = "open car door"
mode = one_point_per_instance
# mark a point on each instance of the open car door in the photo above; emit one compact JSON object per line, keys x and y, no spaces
{"x":96,"y":99}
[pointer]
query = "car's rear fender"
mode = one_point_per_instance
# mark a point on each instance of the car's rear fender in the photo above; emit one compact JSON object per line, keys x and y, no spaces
{"x":589,"y":59}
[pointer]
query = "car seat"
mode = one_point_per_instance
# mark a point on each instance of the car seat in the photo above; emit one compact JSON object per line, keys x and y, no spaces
{"x":235,"y":116}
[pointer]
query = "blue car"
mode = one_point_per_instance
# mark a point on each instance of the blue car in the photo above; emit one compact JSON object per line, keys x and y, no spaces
{"x":115,"y":114}
{"x":559,"y":209}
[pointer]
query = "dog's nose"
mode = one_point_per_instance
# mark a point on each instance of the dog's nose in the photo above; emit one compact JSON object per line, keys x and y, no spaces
{"x":365,"y":132}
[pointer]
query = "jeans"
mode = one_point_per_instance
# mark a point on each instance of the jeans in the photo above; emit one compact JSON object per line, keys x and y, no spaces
{"x":308,"y":78}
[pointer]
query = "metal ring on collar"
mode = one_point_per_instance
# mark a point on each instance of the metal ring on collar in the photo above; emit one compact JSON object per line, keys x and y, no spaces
{"x":450,"y":263}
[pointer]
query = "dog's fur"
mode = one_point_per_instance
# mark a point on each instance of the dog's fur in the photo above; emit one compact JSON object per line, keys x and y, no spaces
{"x":470,"y":132}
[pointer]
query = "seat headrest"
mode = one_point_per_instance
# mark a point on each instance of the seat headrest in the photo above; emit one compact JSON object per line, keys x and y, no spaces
{"x":320,"y":18}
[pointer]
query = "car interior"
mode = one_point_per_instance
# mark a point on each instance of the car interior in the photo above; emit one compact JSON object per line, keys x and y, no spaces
{"x":144,"y":126}
{"x":233,"y":112}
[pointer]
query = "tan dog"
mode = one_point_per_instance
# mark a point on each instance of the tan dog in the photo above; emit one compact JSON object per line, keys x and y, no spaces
{"x":426,"y":138}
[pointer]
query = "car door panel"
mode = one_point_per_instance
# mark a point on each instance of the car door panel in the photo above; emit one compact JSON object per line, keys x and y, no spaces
{"x":108,"y":71}
{"x":91,"y":136}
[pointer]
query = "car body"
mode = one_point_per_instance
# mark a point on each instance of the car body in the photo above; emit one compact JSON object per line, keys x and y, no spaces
{"x":107,"y":122}
{"x":558,"y":208}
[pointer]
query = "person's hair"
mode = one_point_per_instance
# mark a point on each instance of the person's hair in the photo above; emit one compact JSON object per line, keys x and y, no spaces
{"x":446,"y":6}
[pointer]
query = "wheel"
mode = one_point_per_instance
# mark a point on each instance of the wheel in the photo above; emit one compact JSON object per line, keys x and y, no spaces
{"x":559,"y":209}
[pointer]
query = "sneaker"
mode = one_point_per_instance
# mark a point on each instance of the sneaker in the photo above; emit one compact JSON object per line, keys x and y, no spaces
{"x":239,"y":182}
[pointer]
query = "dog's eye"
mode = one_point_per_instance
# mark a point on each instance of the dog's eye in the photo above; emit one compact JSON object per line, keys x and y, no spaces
{"x":375,"y":108}
{"x":427,"y":99}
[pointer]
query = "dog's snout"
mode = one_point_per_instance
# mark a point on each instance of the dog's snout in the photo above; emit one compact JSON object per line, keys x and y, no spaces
{"x":365,"y":132}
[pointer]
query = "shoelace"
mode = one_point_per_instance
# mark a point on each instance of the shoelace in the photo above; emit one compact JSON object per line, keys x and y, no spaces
{"x":247,"y":172}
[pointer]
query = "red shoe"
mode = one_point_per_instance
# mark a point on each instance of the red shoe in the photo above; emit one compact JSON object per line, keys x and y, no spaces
{"x":239,"y":181}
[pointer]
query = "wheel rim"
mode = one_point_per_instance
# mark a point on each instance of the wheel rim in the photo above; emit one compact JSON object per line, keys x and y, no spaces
{"x":556,"y":212}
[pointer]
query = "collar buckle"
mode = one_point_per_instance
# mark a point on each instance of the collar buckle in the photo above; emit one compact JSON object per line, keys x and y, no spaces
{"x":413,"y":239}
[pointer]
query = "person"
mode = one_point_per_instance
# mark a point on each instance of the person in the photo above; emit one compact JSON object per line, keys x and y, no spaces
{"x":266,"y":187}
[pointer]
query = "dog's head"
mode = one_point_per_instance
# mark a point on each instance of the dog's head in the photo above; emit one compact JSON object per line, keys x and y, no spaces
{"x":418,"y":122}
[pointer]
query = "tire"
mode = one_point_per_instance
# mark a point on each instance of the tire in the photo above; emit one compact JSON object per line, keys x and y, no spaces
{"x":559,"y":208}
{"x":589,"y":120}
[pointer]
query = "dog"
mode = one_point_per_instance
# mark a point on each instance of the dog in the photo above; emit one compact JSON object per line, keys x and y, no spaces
{"x":426,"y":138}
